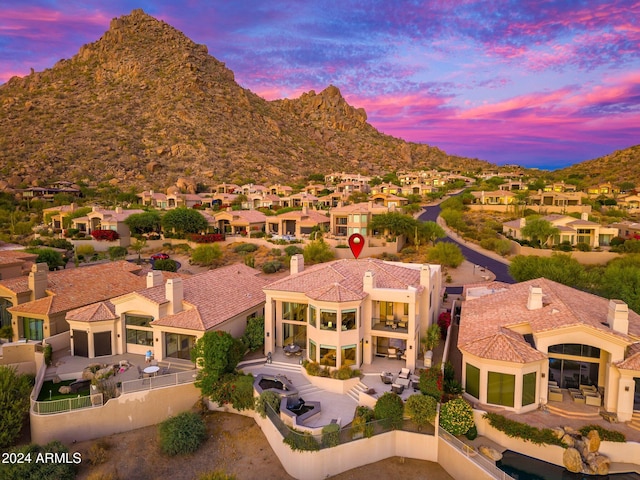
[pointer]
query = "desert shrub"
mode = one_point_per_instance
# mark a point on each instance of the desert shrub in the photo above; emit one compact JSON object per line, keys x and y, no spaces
{"x":301,"y":441}
{"x":317,"y":251}
{"x":98,"y":452}
{"x":267,"y":397}
{"x":182,"y":434}
{"x":313,"y":368}
{"x":71,"y":232}
{"x":217,"y":475}
{"x":456,"y":416}
{"x":166,"y":265}
{"x":86,"y":250}
{"x":431,"y":382}
{"x":447,"y":254}
{"x":583,"y":247}
{"x":272,"y":266}
{"x":515,"y":429}
{"x":343,"y":373}
{"x":605,"y":435}
{"x":292,"y":250}
{"x":331,"y":435}
{"x":40,"y":470}
{"x":276,"y":252}
{"x":60,"y":243}
{"x":116,"y":253}
{"x":14,"y":403}
{"x":421,"y":409}
{"x":206,"y":255}
{"x":389,"y":410}
{"x":245,"y":248}
{"x":104,"y":474}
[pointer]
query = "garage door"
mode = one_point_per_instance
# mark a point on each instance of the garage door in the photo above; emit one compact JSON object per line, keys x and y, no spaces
{"x":102,"y":343}
{"x":80,"y":343}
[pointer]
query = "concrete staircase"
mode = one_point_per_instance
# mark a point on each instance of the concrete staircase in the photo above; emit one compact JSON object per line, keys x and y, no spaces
{"x":574,"y":415}
{"x":635,"y":421}
{"x":282,"y":366}
{"x":355,"y":391}
{"x":308,"y":390}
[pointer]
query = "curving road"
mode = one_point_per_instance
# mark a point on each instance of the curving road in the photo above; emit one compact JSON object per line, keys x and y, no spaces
{"x":499,"y":269}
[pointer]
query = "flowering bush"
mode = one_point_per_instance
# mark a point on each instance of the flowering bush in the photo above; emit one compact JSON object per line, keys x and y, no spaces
{"x":430,"y":382}
{"x":207,"y":238}
{"x":444,"y":320}
{"x":456,"y":416}
{"x":108,"y":235}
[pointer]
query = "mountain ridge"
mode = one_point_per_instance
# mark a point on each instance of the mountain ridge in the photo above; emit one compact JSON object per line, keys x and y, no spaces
{"x":145,"y":105}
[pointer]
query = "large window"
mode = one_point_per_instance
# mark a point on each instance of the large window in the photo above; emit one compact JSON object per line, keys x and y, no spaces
{"x":328,"y":355}
{"x":294,"y":334}
{"x":33,"y":328}
{"x":5,"y":317}
{"x":312,"y":315}
{"x":328,"y":319}
{"x":472,"y":381}
{"x":139,"y":329}
{"x":178,"y":346}
{"x":313,"y":351}
{"x":349,"y":319}
{"x":294,"y":311}
{"x":348,"y":355}
{"x":501,"y":389}
{"x":386,"y":310}
{"x":576,"y":350}
{"x":528,"y":388}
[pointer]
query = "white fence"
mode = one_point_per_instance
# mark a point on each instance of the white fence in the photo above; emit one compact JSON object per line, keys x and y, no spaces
{"x":66,"y":404}
{"x":160,"y":381}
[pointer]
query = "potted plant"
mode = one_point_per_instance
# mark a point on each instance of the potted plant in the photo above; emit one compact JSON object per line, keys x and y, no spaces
{"x":432,"y":338}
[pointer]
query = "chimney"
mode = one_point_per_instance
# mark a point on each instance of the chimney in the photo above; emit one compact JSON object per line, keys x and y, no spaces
{"x":154,"y":278}
{"x":584,"y":216}
{"x":368,"y":282}
{"x":118,"y":209}
{"x":297,"y":264}
{"x":305,"y":210}
{"x":425,"y":277}
{"x":38,"y":280}
{"x":534,"y":302}
{"x":175,"y":294}
{"x":618,"y":316}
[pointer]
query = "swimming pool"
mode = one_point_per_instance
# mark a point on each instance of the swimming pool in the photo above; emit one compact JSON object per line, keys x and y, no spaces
{"x":522,"y":467}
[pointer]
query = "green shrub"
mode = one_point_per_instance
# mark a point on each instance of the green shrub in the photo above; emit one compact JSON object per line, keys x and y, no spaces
{"x":292,"y":250}
{"x":117,"y":253}
{"x":389,"y":409}
{"x":331,"y":435}
{"x":583,"y":247}
{"x":605,"y":435}
{"x":236,"y":389}
{"x":301,"y":441}
{"x":166,"y":265}
{"x":99,"y":452}
{"x":515,"y":429}
{"x":313,"y":368}
{"x":86,"y":250}
{"x":456,"y":416}
{"x":267,"y":397}
{"x":245,"y":248}
{"x":431,"y":382}
{"x":206,"y":255}
{"x":472,"y":433}
{"x":182,"y":434}
{"x":272,"y":267}
{"x":276,"y":252}
{"x":253,"y":336}
{"x":343,"y":373}
{"x":421,"y":409}
{"x":47,"y":353}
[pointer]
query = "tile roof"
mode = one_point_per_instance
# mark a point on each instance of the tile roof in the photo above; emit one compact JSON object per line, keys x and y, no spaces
{"x":485,"y":316}
{"x":212,"y":297}
{"x":77,"y":287}
{"x":342,"y":279}
{"x":95,"y":312}
{"x":16,"y":256}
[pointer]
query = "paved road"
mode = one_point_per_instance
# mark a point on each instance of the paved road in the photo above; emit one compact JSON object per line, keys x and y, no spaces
{"x":500,"y":270}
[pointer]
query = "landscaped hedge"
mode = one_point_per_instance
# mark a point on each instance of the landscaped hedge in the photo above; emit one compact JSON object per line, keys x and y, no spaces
{"x":524,"y":431}
{"x":207,"y":238}
{"x":389,"y":409}
{"x":605,"y":435}
{"x":105,"y":235}
{"x":182,"y":434}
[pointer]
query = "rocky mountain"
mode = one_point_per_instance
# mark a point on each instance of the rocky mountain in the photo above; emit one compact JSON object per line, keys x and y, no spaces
{"x":144,"y":105}
{"x":617,"y":167}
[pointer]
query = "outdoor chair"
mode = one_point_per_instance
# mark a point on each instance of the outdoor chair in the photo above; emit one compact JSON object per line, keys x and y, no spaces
{"x":386,"y":377}
{"x":165,"y":370}
{"x":404,"y":373}
{"x":140,"y":372}
{"x":395,"y":388}
{"x":392,"y":352}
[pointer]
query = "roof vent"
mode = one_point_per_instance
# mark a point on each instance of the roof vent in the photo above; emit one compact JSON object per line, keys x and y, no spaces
{"x":534,"y":302}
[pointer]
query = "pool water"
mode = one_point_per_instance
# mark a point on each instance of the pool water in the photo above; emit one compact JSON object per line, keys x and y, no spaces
{"x":522,"y":467}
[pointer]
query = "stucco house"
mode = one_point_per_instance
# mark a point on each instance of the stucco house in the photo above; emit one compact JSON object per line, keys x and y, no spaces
{"x":297,"y":222}
{"x":106,"y":219}
{"x":570,"y":229}
{"x":521,"y":343}
{"x":348,"y":312}
{"x":236,"y":222}
{"x":39,"y":302}
{"x":168,"y":315}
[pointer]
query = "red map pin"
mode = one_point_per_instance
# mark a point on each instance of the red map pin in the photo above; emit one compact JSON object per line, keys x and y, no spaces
{"x":356,"y":244}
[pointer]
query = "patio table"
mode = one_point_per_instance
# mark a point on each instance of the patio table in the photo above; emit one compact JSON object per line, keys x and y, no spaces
{"x":152,"y":370}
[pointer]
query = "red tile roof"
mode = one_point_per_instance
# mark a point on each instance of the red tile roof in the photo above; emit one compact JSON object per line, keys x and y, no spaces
{"x":95,"y":312}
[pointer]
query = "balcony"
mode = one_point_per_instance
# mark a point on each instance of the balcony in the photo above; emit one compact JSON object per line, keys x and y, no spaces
{"x":390,"y":325}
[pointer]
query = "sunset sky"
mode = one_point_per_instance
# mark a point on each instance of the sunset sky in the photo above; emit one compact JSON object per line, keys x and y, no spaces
{"x":538,"y":83}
